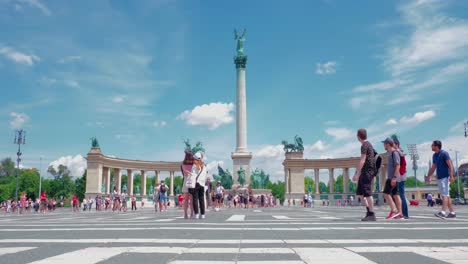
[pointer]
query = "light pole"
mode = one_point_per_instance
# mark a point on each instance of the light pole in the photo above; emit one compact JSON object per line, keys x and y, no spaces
{"x":466,"y":128}
{"x":20,"y":139}
{"x":413,"y":151}
{"x":40,"y":176}
{"x":456,"y":170}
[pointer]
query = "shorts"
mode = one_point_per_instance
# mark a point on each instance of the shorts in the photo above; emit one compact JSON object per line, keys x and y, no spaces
{"x":443,"y":186}
{"x":364,"y":186}
{"x":163,"y":198}
{"x":219,"y":197}
{"x":389,"y":189}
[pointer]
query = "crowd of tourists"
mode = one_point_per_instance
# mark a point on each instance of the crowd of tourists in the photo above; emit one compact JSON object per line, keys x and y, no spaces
{"x":28,"y":205}
{"x":394,"y":190}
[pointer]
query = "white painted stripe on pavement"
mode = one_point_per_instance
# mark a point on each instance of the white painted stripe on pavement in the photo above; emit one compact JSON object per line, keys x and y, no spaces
{"x":83,"y":256}
{"x":236,"y":218}
{"x":238,"y":262}
{"x":330,"y":255}
{"x":282,"y":217}
{"x":12,"y":250}
{"x":243,"y":241}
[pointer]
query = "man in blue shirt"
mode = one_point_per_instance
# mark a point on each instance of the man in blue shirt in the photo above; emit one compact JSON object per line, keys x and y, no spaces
{"x":441,"y":161}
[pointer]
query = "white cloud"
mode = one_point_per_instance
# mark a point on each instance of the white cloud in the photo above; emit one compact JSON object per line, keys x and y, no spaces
{"x":339,"y":133}
{"x":72,"y":83}
{"x":159,"y":123}
{"x":380,"y":86}
{"x":367,"y":99}
{"x":212,"y":167}
{"x":69,"y":59}
{"x":269,"y":151}
{"x":18,"y":120}
{"x":210,"y":115}
{"x":326,"y":68}
{"x":318,"y":146}
{"x":19,"y":57}
{"x":76,"y":164}
{"x":391,"y":122}
{"x":418,"y":117}
{"x":39,"y":5}
{"x":118,"y":99}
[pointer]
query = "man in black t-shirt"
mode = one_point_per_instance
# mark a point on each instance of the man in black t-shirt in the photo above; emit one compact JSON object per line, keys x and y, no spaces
{"x":366,"y":170}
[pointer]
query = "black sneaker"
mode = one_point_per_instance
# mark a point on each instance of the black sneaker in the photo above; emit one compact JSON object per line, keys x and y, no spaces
{"x":440,"y":215}
{"x":451,"y":216}
{"x":370,"y":217}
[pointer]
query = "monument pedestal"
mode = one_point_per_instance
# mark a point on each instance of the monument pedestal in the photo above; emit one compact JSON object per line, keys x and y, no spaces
{"x":241,"y":160}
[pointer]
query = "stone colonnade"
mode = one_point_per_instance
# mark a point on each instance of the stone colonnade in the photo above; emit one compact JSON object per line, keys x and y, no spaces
{"x":100,"y":167}
{"x":295,"y":165}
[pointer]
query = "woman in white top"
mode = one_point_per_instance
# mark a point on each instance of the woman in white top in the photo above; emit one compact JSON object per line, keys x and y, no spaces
{"x":219,"y":194}
{"x":198,"y":177}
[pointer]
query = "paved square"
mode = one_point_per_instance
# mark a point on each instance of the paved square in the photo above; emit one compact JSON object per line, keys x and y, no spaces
{"x":267,"y":235}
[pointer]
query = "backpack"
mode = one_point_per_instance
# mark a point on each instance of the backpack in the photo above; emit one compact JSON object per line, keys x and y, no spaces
{"x":402,"y":165}
{"x":378,"y":161}
{"x":163,"y":189}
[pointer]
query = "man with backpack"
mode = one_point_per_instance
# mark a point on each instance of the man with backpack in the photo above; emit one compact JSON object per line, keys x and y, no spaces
{"x":163,"y":196}
{"x":393,"y":175}
{"x":402,"y":179}
{"x":365,"y":172}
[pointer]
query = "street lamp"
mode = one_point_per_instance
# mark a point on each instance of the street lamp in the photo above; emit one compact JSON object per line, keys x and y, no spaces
{"x":466,"y":128}
{"x":456,"y":170}
{"x":20,"y":139}
{"x":413,"y":151}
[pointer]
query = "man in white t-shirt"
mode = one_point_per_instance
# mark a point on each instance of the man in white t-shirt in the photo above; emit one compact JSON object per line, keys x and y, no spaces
{"x":219,"y":194}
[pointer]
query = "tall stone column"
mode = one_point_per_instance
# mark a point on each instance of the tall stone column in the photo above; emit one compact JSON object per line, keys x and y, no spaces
{"x":317,"y":180}
{"x":156,"y":177}
{"x":129,"y":182}
{"x":171,"y":174}
{"x":286,"y":181}
{"x":94,"y":172}
{"x":106,"y":173}
{"x":143,"y":182}
{"x":345,"y":181}
{"x":331,"y":182}
{"x":117,"y":179}
{"x":241,"y":157}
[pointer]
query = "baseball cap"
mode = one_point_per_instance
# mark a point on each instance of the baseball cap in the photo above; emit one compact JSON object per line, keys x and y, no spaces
{"x":388,"y":141}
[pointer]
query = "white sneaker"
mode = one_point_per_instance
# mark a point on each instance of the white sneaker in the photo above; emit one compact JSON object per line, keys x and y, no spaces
{"x":196,"y":216}
{"x":202,"y":216}
{"x":217,"y":209}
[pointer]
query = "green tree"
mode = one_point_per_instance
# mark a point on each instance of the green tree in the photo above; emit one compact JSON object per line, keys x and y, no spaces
{"x":63,"y":186}
{"x":28,"y":182}
{"x":277,"y":190}
{"x":7,"y":167}
{"x":410,"y":182}
{"x":309,"y":182}
{"x":80,"y":186}
{"x":339,"y":185}
{"x":453,"y":191}
{"x":323,"y":187}
{"x":178,"y":184}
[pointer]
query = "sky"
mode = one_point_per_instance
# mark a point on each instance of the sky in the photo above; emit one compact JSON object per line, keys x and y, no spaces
{"x":143,"y":75}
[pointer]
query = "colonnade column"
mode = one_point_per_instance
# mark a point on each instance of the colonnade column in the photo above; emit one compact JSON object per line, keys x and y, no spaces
{"x":345,"y":182}
{"x":286,"y":181}
{"x":106,"y":173}
{"x":171,"y":174}
{"x":117,"y":179}
{"x":331,"y":182}
{"x":129,"y":182}
{"x":317,"y":181}
{"x":143,"y":182}
{"x":156,"y":177}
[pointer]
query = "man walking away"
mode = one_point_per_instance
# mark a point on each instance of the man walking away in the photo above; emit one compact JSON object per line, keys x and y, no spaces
{"x":441,"y":161}
{"x":365,"y":172}
{"x":402,"y":180}
{"x":393,"y":174}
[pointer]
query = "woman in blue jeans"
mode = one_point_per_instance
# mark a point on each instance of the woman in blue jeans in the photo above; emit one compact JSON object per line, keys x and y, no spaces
{"x":402,"y":179}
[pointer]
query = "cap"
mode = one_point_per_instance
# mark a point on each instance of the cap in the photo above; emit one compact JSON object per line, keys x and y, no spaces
{"x":198,"y":156}
{"x":388,"y":141}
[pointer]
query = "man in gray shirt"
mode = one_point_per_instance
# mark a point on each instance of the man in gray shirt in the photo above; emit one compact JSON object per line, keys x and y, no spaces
{"x":393,"y":174}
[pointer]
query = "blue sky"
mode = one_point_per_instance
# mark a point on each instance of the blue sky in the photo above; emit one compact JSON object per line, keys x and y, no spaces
{"x":140,"y":76}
